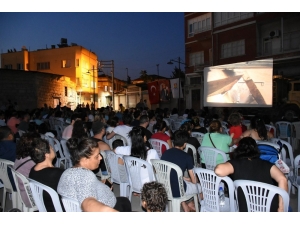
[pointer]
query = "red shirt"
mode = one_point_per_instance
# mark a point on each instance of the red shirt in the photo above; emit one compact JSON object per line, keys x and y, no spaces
{"x":163,"y":137}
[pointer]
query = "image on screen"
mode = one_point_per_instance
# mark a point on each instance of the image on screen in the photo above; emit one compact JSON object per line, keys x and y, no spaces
{"x":245,"y":84}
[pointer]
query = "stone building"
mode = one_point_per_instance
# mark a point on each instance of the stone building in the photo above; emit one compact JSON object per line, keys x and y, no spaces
{"x":31,"y":89}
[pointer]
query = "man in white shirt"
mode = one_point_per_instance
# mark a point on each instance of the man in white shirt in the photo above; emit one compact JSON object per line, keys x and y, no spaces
{"x":122,"y":130}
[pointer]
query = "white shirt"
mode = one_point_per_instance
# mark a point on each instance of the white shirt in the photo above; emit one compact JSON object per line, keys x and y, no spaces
{"x":123,"y":150}
{"x":123,"y":130}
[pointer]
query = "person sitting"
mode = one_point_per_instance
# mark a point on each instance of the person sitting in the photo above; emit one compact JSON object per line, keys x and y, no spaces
{"x":80,"y":183}
{"x":137,"y":116}
{"x":236,"y":127}
{"x":44,"y":172}
{"x":24,"y":163}
{"x":67,"y":133}
{"x":161,"y":135}
{"x":197,"y":127}
{"x":246,"y":165}
{"x":78,"y":130}
{"x":182,"y":159}
{"x":258,"y":130}
{"x":154,"y":197}
{"x":216,"y":139}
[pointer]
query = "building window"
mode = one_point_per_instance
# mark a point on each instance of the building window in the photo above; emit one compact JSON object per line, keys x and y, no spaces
{"x":66,"y":91}
{"x":77,"y":62}
{"x":199,"y":24}
{"x":222,"y":18}
{"x":43,"y":66}
{"x":8,"y":66}
{"x":197,"y":58}
{"x":20,"y":66}
{"x":66,"y":63}
{"x":232,"y":49}
{"x":195,"y":80}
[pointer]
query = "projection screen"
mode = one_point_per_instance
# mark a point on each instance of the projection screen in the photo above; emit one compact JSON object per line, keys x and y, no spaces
{"x":245,"y":84}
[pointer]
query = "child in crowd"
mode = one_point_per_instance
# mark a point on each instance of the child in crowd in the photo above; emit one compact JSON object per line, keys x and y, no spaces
{"x":235,"y":129}
{"x":154,"y":197}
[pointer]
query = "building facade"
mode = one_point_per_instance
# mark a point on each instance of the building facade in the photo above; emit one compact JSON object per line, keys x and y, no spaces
{"x":72,"y":61}
{"x":218,"y":38}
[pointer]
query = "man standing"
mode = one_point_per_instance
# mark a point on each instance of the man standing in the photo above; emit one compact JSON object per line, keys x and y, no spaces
{"x":164,"y":93}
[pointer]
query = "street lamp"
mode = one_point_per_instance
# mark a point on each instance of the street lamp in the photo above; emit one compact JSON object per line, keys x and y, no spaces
{"x":179,"y":63}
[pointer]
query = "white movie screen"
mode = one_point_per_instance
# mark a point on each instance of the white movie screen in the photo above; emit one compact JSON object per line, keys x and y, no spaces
{"x":245,"y":84}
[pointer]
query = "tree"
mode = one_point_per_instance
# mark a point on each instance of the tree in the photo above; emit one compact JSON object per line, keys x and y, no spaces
{"x":177,"y":73}
{"x":145,"y":76}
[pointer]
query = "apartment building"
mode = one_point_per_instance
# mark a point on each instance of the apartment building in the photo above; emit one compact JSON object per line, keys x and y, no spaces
{"x":217,"y":38}
{"x":72,"y":61}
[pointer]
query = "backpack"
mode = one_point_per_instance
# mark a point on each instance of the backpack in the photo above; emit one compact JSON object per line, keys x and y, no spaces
{"x":269,"y":153}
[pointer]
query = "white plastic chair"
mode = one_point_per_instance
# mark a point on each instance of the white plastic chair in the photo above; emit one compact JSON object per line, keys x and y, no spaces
{"x":209,"y":154}
{"x":189,"y":146}
{"x":284,"y":130}
{"x":162,"y":171}
{"x":294,"y":180}
{"x":25,"y":182}
{"x":100,"y":174}
{"x":173,"y":117}
{"x":201,"y":120}
{"x":296,"y":134}
{"x":158,"y":144}
{"x":198,"y":135}
{"x":7,"y":184}
{"x":70,"y":205}
{"x":68,"y":161}
{"x":58,"y":148}
{"x":269,"y":127}
{"x":210,"y":183}
{"x":259,"y":195}
{"x":59,"y":129}
{"x":176,"y":126}
{"x":134,"y":167}
{"x":118,"y":136}
{"x":37,"y":189}
{"x":115,"y":175}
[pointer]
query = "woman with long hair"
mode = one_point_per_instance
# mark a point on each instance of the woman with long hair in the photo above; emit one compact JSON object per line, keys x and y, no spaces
{"x":246,"y":165}
{"x":78,"y":130}
{"x":258,"y":130}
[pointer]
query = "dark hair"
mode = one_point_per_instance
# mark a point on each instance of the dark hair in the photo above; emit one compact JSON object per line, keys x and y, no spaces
{"x":234,"y":119}
{"x":144,"y":119}
{"x":181,"y":137}
{"x":4,"y":132}
{"x":127,"y":119}
{"x":247,"y":148}
{"x":42,"y":128}
{"x":187,"y":126}
{"x":138,"y":147}
{"x":113,"y":121}
{"x":136,"y":114}
{"x":155,"y":196}
{"x":117,"y":143}
{"x":258,"y":124}
{"x":80,"y":148}
{"x":174,"y":111}
{"x":160,"y":125}
{"x":195,"y":121}
{"x":40,"y":148}
{"x":24,"y":145}
{"x":215,"y":126}
{"x":78,"y":130}
{"x":75,"y":116}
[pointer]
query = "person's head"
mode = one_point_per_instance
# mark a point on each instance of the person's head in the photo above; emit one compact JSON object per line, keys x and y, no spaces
{"x":98,"y":127}
{"x":24,"y":145}
{"x":75,"y":116}
{"x":42,"y":151}
{"x":215,"y":126}
{"x":144,"y":121}
{"x":174,"y":111}
{"x":161,"y":125}
{"x":127,"y":119}
{"x":6,"y":133}
{"x":117,"y":143}
{"x":247,"y":148}
{"x":181,"y":137}
{"x":78,"y":129}
{"x":196,"y":121}
{"x":187,"y":126}
{"x":84,"y":152}
{"x":42,"y":128}
{"x":154,"y":197}
{"x":138,"y":146}
{"x":137,"y":114}
{"x":258,"y":124}
{"x":234,"y":119}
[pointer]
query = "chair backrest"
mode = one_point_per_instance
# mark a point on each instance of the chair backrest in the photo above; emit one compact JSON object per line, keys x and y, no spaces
{"x":283,"y":129}
{"x":158,"y":144}
{"x":66,"y":153}
{"x":118,"y":136}
{"x":59,"y":129}
{"x":209,"y":155}
{"x":25,"y":182}
{"x":210,"y":184}
{"x":177,"y":125}
{"x":37,"y":189}
{"x":296,"y":168}
{"x":192,"y":147}
{"x":198,"y":135}
{"x":113,"y":166}
{"x":134,"y":167}
{"x":70,"y":205}
{"x":270,"y":127}
{"x":58,"y":148}
{"x":162,"y":171}
{"x":259,"y":195}
{"x":296,"y":129}
{"x":4,"y":175}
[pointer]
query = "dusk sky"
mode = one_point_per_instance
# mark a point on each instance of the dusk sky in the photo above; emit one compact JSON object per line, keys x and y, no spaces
{"x":137,"y":41}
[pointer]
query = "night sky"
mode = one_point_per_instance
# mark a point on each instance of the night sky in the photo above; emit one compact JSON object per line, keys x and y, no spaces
{"x":137,"y":41}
